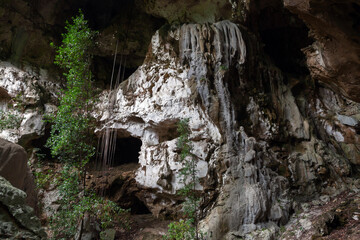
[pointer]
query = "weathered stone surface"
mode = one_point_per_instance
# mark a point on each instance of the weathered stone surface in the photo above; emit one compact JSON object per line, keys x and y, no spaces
{"x":170,"y":87}
{"x":253,"y":177}
{"x":22,"y":38}
{"x":331,"y":220}
{"x":265,"y":141}
{"x":188,"y":11}
{"x":14,"y":168}
{"x":335,"y":56}
{"x":25,"y":90}
{"x":16,"y":219}
{"x":326,"y":108}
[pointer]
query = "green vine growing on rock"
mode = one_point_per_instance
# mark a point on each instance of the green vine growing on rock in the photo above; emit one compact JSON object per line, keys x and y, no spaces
{"x":186,"y":229}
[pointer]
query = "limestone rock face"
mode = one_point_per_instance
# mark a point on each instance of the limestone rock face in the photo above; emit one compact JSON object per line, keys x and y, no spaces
{"x":169,"y":87}
{"x":149,"y":109}
{"x":22,"y":94}
{"x":252,"y":130}
{"x":318,"y":219}
{"x":189,"y":11}
{"x":334,"y":57}
{"x":16,"y":219}
{"x":14,"y":168}
{"x":266,"y":140}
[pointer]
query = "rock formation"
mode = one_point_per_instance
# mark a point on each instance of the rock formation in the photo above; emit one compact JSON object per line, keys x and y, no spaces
{"x":334,"y":57}
{"x":272,"y":128}
{"x":17,"y":221}
{"x":14,"y":168}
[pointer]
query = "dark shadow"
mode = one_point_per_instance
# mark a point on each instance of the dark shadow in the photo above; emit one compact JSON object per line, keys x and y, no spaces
{"x":126,"y":151}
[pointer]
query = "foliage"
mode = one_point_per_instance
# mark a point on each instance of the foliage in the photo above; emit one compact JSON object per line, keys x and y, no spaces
{"x":186,"y":229}
{"x":73,"y":207}
{"x":42,"y":176}
{"x":9,"y":120}
{"x":181,"y":230}
{"x":70,"y":138}
{"x":224,"y":67}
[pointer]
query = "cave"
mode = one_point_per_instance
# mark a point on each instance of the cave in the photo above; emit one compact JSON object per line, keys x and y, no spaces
{"x":284,"y":35}
{"x":124,"y":193}
{"x":39,"y":143}
{"x":126,"y":151}
{"x":102,"y":69}
{"x":137,"y":206}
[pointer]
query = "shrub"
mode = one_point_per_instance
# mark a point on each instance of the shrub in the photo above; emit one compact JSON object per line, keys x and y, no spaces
{"x":9,"y":120}
{"x":71,"y":134}
{"x":186,"y":229}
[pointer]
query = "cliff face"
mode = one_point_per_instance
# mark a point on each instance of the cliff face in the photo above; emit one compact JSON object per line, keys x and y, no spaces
{"x":262,"y":146}
{"x":334,"y":56}
{"x":273,"y":129}
{"x":17,"y":219}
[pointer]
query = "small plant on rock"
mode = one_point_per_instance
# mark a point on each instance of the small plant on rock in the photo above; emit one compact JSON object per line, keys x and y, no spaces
{"x":186,"y":229}
{"x":9,"y":120}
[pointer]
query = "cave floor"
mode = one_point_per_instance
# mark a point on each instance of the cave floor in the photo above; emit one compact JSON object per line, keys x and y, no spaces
{"x":339,"y":218}
{"x":144,"y":226}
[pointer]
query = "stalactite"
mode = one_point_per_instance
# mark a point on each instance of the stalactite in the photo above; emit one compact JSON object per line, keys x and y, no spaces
{"x":209,"y":50}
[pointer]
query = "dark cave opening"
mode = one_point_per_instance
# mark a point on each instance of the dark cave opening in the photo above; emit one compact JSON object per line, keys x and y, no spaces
{"x":126,"y":151}
{"x":128,"y":199}
{"x":102,"y":68}
{"x":334,"y":223}
{"x":42,"y":152}
{"x":138,"y":207}
{"x":284,"y":35}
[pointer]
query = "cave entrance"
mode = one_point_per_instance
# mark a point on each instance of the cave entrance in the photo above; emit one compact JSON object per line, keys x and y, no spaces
{"x":103,"y":66}
{"x":126,"y":150}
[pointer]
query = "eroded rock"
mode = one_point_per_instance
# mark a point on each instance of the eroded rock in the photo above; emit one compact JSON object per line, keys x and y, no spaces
{"x":169,"y":87}
{"x":334,"y":57}
{"x":16,"y":219}
{"x":14,"y":168}
{"x":22,"y":96}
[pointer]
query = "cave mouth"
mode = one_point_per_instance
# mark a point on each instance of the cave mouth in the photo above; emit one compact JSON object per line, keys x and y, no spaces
{"x":136,"y":206}
{"x":124,"y":193}
{"x":103,"y":66}
{"x":126,"y":151}
{"x":284,"y":35}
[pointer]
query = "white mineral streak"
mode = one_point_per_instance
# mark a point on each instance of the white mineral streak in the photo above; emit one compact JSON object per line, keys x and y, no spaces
{"x":229,"y":44}
{"x":149,"y":104}
{"x":167,"y":88}
{"x":226,"y":49}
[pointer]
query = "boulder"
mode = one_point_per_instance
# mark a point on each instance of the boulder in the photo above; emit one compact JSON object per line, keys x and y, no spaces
{"x":17,"y":220}
{"x":14,"y":168}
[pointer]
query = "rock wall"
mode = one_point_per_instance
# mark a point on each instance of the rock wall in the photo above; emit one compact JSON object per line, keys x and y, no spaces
{"x":14,"y":168}
{"x":262,"y":147}
{"x":27,"y":94}
{"x":334,"y":57}
{"x":17,"y":221}
{"x":268,"y":135}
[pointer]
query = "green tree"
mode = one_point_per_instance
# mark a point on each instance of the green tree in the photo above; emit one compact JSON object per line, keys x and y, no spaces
{"x":71,"y":129}
{"x":186,"y":229}
{"x":71,"y":134}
